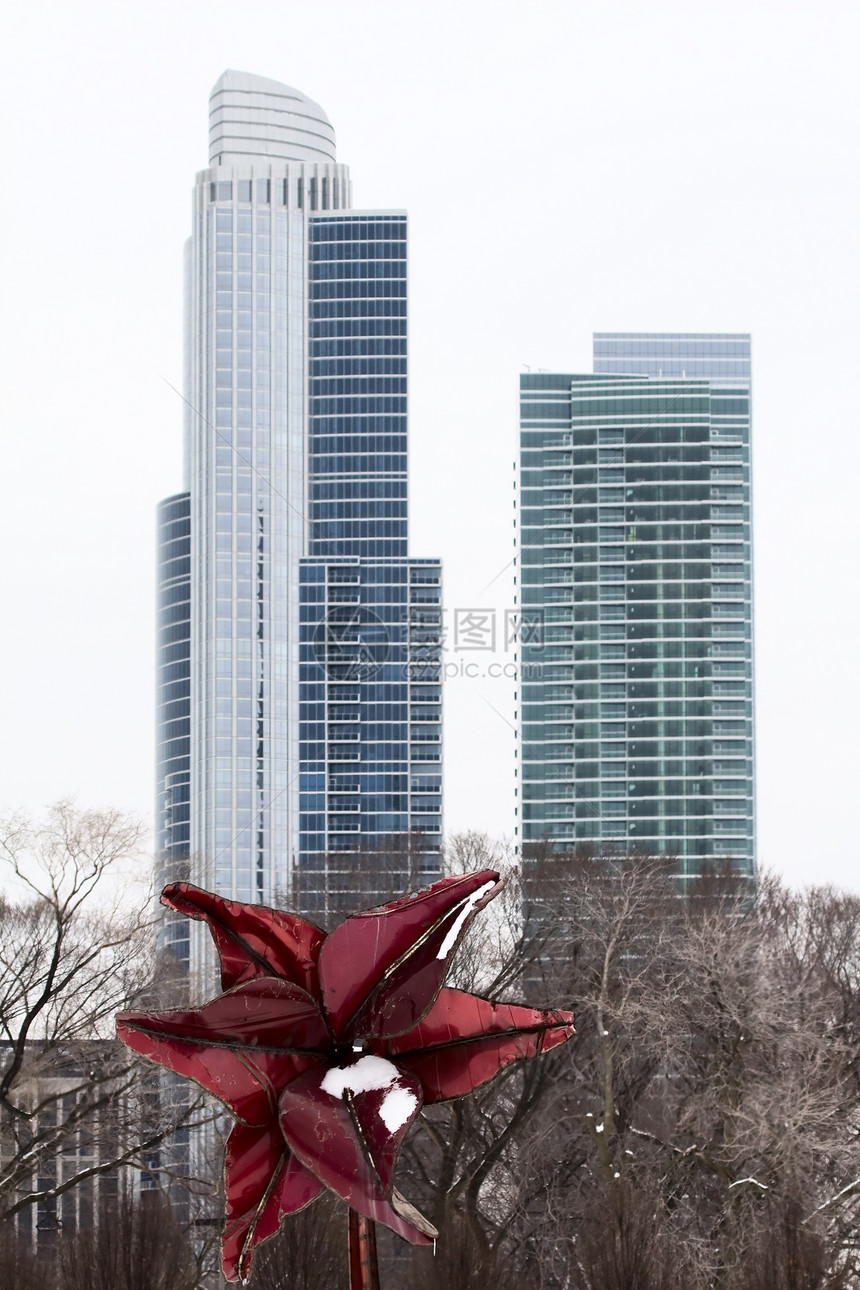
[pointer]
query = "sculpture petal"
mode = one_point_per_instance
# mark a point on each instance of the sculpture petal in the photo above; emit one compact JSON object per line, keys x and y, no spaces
{"x":380,"y":971}
{"x":252,"y":940}
{"x":264,"y":1181}
{"x":346,"y":1124}
{"x":244,"y":1046}
{"x":297,"y":1001}
{"x":464,"y":1041}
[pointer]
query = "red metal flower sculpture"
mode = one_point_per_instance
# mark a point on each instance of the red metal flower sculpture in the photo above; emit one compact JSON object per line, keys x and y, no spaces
{"x":325,"y":1048}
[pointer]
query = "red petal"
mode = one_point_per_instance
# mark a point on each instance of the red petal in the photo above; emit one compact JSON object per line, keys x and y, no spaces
{"x":464,"y":1041}
{"x":243,"y":1046}
{"x":347,"y":1125}
{"x":252,"y":940}
{"x":264,"y":1181}
{"x":380,"y":971}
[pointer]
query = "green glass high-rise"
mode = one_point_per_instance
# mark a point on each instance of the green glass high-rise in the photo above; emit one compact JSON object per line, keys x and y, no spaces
{"x":636,"y":600}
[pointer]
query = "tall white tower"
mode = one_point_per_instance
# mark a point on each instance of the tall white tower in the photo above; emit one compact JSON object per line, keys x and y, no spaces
{"x":298,"y":643}
{"x":272,"y":163}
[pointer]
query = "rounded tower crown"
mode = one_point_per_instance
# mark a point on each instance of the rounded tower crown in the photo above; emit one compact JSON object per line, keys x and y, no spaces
{"x":254,"y":118}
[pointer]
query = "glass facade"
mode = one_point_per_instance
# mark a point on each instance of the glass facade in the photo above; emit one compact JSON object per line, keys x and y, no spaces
{"x":357,"y":414}
{"x":296,"y":458}
{"x":173,"y":705}
{"x":371,"y":732}
{"x":370,"y":663}
{"x":248,"y":503}
{"x":635,"y":523}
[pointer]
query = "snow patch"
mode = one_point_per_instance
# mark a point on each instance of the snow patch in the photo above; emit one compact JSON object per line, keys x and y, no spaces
{"x":366,"y":1075}
{"x":755,"y":1182}
{"x":454,"y":930}
{"x":397,"y":1107}
{"x":372,"y":1075}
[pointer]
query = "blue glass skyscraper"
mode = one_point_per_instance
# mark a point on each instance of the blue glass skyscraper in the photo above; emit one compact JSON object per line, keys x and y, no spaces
{"x":312,"y":715}
{"x":636,"y":584}
{"x":370,"y":617}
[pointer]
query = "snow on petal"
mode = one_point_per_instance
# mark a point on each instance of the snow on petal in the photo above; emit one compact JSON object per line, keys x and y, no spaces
{"x":364,"y":1076}
{"x":454,"y":930}
{"x":373,"y":1074}
{"x":380,"y":971}
{"x":397,"y":1107}
{"x":347,"y":1142}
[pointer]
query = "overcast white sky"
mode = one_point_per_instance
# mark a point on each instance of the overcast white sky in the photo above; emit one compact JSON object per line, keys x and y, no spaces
{"x":568,"y":166}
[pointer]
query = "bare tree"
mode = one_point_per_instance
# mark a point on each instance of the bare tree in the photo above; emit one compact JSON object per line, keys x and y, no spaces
{"x":134,"y":1244}
{"x":712,"y":1081}
{"x":333,"y":885}
{"x":74,"y":1103}
{"x":700,"y":1131}
{"x":308,"y":1252}
{"x":465,"y":1160}
{"x":22,"y":1267}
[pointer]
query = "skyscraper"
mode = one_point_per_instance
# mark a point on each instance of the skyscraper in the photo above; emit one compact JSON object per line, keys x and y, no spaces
{"x":300,"y":719}
{"x":636,"y":594}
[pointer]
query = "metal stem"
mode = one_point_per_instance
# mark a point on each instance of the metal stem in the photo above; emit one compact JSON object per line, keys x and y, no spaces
{"x":363,"y":1266}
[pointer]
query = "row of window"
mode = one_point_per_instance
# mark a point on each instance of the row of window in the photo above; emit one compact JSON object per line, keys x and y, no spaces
{"x":547,"y":454}
{"x":372,"y":525}
{"x":368,"y":783}
{"x":367,"y":731}
{"x":646,"y":433}
{"x":372,"y":692}
{"x":362,"y":268}
{"x":661,"y":529}
{"x":358,"y":406}
{"x":351,"y":229}
{"x":355,"y":574}
{"x":642,"y":583}
{"x":353,"y":422}
{"x":362,"y":364}
{"x":387,"y":307}
{"x":360,"y":465}
{"x":325,"y":490}
{"x":226,"y":218}
{"x":384,"y":383}
{"x":371,"y":289}
{"x":653,"y":568}
{"x":356,"y":443}
{"x":356,"y":712}
{"x":361,"y":508}
{"x":316,"y":192}
{"x":329,"y":357}
{"x":334,"y":325}
{"x":346,"y":252}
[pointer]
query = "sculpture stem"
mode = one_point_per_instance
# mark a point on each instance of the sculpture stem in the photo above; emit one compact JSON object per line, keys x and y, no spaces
{"x":363,"y":1267}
